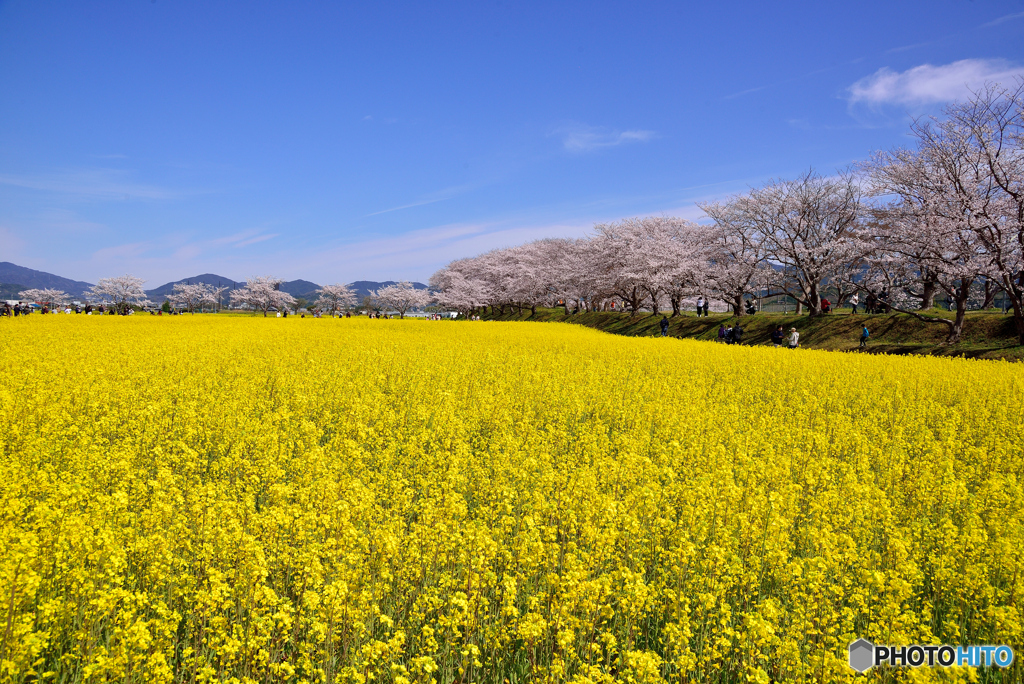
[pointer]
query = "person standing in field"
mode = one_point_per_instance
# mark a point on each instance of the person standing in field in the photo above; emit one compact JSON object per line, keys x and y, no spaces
{"x":721,"y":333}
{"x":864,"y":334}
{"x":737,"y":334}
{"x":664,"y":326}
{"x":794,"y":338}
{"x":700,"y":305}
{"x":854,"y":301}
{"x":777,"y":336}
{"x":706,"y":302}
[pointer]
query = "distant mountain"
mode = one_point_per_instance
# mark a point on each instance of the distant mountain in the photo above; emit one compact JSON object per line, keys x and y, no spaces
{"x":362,"y":287}
{"x":12,"y":273}
{"x":13,"y":276}
{"x":163,"y":292}
{"x":300,"y":288}
{"x":10,"y":290}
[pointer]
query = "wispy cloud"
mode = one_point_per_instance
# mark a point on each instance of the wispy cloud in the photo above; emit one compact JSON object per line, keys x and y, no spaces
{"x":180,"y":248}
{"x":67,"y":221}
{"x":254,"y":240}
{"x":927,"y":84}
{"x":431,"y":198}
{"x":792,"y":79}
{"x":237,"y":240}
{"x":11,"y":239}
{"x":1000,"y":20}
{"x":416,"y":254}
{"x":93,"y":183}
{"x":584,"y":138}
{"x":407,"y":206}
{"x":124,"y":252}
{"x":905,"y":48}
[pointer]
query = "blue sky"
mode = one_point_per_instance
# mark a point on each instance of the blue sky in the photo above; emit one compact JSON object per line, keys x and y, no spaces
{"x":346,"y":141}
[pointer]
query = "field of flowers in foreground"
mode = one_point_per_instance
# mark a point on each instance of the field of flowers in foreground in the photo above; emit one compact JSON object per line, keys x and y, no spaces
{"x":247,"y":499}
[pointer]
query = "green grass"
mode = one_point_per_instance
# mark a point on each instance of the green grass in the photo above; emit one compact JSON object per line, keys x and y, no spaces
{"x":986,"y":335}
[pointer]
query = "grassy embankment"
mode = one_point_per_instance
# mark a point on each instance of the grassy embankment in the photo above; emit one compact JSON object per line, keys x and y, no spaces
{"x":987,"y":334}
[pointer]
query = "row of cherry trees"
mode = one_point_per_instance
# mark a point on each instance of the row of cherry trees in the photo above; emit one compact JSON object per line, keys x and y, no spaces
{"x":259,"y":294}
{"x":943,"y":217}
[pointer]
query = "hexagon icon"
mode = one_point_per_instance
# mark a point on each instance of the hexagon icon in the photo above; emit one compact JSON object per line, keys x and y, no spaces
{"x":862,"y":655}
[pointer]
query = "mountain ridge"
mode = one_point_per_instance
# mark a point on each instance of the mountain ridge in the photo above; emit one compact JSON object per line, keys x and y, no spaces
{"x":26,"y":278}
{"x":33,"y":279}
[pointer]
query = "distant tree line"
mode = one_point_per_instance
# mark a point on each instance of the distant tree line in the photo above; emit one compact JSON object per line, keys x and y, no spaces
{"x":945,"y":216}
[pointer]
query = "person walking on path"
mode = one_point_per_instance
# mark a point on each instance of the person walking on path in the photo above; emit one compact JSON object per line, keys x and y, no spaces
{"x":706,"y":302}
{"x":777,"y":336}
{"x":864,"y":334}
{"x":854,"y":301}
{"x":664,"y":326}
{"x":794,"y":338}
{"x":700,"y":306}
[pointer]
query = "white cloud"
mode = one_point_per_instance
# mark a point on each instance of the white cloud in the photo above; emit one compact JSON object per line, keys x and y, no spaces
{"x":583,"y":138}
{"x":94,"y":183}
{"x":254,"y":240}
{"x":12,"y":242}
{"x":1000,"y":20}
{"x":927,"y":84}
{"x":67,"y":221}
{"x":430,"y":198}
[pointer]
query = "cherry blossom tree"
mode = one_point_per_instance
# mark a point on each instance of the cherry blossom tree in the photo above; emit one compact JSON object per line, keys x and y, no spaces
{"x":967,"y":176}
{"x":401,"y":297}
{"x":459,"y":286}
{"x":192,"y":296}
{"x":335,"y":298}
{"x":262,"y":293}
{"x":633,"y":260}
{"x":951,"y":213}
{"x":121,"y":292}
{"x":905,"y":267}
{"x":535,"y":273}
{"x":568,"y":272}
{"x":923,"y":233}
{"x":737,"y":256}
{"x":49,"y":296}
{"x":808,"y":228}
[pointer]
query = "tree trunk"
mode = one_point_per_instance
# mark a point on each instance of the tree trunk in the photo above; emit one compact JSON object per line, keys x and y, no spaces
{"x":737,"y":305}
{"x":1018,"y":318}
{"x":533,"y":310}
{"x":635,"y":302}
{"x":991,"y":290}
{"x":814,"y":302}
{"x":930,"y":288}
{"x":961,"y":295}
{"x":1015,"y":292}
{"x":565,"y":306}
{"x":675,"y":306}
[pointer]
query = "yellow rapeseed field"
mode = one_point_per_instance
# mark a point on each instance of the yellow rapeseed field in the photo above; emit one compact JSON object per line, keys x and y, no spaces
{"x":198,"y":499}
